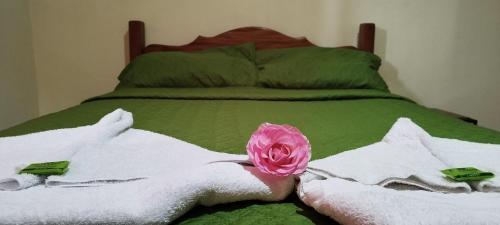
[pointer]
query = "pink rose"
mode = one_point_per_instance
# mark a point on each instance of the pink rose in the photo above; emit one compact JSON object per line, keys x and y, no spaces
{"x":280,"y":150}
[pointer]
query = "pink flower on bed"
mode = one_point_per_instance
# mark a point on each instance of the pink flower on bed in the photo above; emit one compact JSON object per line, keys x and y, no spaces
{"x":280,"y":150}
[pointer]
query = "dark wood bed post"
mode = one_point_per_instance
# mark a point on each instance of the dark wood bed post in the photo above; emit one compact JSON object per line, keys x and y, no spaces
{"x":366,"y":37}
{"x":136,"y":36}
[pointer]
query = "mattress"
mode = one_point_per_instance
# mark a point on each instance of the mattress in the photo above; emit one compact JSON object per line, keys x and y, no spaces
{"x":222,"y":119}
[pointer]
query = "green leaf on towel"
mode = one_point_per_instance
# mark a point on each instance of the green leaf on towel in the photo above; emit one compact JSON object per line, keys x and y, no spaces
{"x":47,"y":168}
{"x":467,"y":174}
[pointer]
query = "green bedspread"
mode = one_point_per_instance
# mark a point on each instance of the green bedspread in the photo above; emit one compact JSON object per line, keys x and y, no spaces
{"x":222,"y":119}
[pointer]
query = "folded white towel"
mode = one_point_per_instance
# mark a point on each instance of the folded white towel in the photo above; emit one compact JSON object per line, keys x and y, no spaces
{"x":169,"y":178}
{"x":401,"y":165}
{"x":454,"y":153}
{"x":179,"y":176}
{"x":457,"y":153}
{"x":54,"y":145}
{"x":135,"y":154}
{"x":353,"y":203}
{"x":148,"y":201}
{"x":410,"y":151}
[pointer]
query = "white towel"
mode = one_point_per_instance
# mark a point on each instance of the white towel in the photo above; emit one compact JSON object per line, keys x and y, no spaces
{"x":54,"y":145}
{"x":399,"y":165}
{"x":148,"y":201}
{"x":135,"y":154}
{"x":457,"y":153}
{"x":177,"y":176}
{"x":353,"y":203}
{"x":412,"y":150}
{"x":452,"y":152}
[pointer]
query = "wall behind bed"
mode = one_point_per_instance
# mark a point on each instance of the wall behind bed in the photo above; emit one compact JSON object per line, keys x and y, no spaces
{"x":18,"y":94}
{"x":440,"y":53}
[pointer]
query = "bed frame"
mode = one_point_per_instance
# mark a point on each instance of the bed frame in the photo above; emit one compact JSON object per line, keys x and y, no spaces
{"x":262,"y":37}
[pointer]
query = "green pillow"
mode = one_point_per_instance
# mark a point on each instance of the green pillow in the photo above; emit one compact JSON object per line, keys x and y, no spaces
{"x":316,"y":67}
{"x":216,"y":67}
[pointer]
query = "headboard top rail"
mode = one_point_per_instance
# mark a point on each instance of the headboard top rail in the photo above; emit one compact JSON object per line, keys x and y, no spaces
{"x":263,"y":38}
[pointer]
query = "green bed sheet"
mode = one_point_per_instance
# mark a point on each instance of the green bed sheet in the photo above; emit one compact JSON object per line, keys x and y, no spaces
{"x":222,"y":119}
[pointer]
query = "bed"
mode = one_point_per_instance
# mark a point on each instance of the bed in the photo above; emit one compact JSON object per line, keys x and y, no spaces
{"x":222,"y":118}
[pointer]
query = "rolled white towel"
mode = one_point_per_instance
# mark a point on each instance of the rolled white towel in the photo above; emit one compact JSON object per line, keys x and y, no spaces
{"x":19,"y":181}
{"x":110,"y":126}
{"x":353,"y":203}
{"x":54,"y":145}
{"x":159,"y":199}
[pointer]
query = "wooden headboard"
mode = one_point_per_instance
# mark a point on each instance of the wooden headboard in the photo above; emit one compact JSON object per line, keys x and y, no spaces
{"x":262,"y":37}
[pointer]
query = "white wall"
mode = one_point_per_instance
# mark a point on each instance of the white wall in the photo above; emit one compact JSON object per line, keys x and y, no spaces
{"x":79,"y":44}
{"x":18,"y":101}
{"x":440,"y":53}
{"x":443,"y":54}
